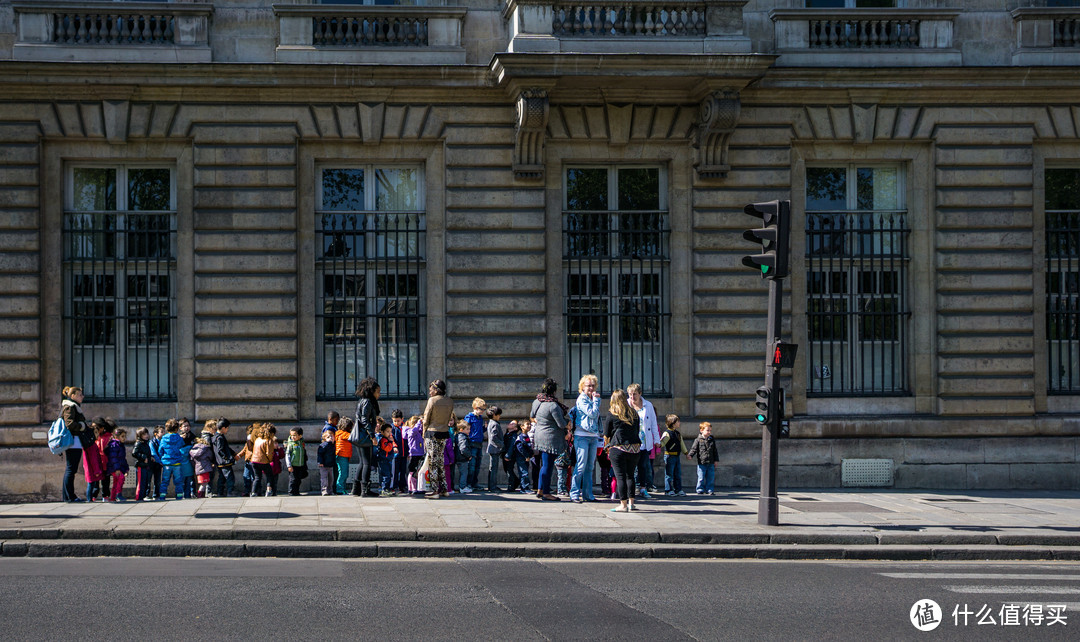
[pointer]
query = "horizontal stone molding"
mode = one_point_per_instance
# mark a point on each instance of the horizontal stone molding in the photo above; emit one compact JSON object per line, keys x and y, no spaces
{"x":625,"y":26}
{"x":851,"y":37}
{"x":370,"y":34}
{"x":113,"y":32}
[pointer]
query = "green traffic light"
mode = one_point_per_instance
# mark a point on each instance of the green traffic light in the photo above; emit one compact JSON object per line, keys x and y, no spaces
{"x":761,"y":419}
{"x":764,"y":269}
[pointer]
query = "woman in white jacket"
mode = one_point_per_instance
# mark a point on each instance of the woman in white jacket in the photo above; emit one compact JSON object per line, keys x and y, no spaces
{"x":650,"y":436}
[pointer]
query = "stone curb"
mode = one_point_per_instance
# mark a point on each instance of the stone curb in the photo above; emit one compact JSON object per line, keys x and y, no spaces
{"x":538,"y":536}
{"x":449,"y":549}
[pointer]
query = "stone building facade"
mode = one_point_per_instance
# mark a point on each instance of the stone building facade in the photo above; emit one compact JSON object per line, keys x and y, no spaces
{"x":240,"y":208}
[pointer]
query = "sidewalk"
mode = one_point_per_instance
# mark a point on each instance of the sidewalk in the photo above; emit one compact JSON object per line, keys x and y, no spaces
{"x":833,"y":524}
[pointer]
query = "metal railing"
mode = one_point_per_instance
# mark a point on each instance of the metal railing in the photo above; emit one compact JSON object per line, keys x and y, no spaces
{"x":119,"y":318}
{"x":857,"y":309}
{"x":1063,"y":300}
{"x":617,"y":301}
{"x":369,"y":317}
{"x":113,"y":28}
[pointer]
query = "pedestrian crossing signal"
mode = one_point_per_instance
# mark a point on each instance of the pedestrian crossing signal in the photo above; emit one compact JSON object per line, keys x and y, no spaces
{"x":784,"y":355}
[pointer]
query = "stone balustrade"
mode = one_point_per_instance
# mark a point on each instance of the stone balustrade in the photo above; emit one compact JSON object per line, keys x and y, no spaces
{"x":629,"y":19}
{"x":899,"y":37}
{"x":365,"y":33}
{"x":637,"y":26}
{"x":113,"y":31}
{"x":1047,"y":36}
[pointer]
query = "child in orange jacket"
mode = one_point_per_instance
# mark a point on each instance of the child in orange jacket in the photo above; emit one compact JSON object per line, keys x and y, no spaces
{"x":343,"y":451}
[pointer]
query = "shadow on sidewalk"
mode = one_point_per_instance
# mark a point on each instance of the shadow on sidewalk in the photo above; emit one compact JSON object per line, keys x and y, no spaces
{"x":261,"y":515}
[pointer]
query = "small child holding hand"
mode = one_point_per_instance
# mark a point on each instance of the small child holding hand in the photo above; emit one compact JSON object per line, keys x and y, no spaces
{"x":704,"y":451}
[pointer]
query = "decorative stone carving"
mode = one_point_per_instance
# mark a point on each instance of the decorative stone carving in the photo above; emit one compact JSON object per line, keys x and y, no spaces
{"x":532,"y":107}
{"x":718,"y":115}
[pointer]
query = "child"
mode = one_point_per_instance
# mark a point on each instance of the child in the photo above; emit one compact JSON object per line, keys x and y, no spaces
{"x":118,"y":466}
{"x":155,"y":459}
{"x":398,"y":433}
{"x":208,"y":432}
{"x":414,"y":441}
{"x":386,"y":454}
{"x":704,"y":451}
{"x":495,"y":447}
{"x":202,"y":459}
{"x":513,"y":479}
{"x":462,"y":456}
{"x":143,"y":458}
{"x":93,"y":469}
{"x":475,"y":444}
{"x":534,"y":462}
{"x":332,"y":419}
{"x":249,"y":467}
{"x":343,"y":452}
{"x":173,"y":452}
{"x":674,"y":448}
{"x":224,"y":458}
{"x":277,"y":459}
{"x":187,"y":468}
{"x":103,"y":438}
{"x":327,"y":460}
{"x":564,"y":466}
{"x":523,"y":454}
{"x":296,"y":460}
{"x":606,"y":475}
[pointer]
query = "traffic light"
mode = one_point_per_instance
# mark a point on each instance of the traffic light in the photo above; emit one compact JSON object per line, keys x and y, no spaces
{"x":773,"y":237}
{"x":763,"y":404}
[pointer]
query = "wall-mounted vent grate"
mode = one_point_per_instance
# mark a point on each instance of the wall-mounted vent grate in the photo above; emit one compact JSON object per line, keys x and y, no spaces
{"x":861,"y":473}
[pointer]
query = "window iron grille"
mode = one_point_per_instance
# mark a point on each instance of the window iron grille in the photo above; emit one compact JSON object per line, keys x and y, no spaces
{"x":617,"y":315}
{"x":1063,"y":300}
{"x":370,"y":320}
{"x":857,"y":302}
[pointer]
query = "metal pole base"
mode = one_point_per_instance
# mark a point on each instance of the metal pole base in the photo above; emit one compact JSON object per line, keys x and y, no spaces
{"x":768,"y":513}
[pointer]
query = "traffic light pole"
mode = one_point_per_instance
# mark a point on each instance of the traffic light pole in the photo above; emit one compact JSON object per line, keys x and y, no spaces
{"x":768,"y":502}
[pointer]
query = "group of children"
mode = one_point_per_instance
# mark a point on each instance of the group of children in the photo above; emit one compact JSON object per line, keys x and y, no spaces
{"x":173,"y":454}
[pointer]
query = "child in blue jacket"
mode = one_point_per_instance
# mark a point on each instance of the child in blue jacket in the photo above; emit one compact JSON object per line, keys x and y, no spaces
{"x":173,"y":452}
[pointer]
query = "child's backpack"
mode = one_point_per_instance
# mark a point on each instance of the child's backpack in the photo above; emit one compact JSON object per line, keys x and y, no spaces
{"x":60,"y":438}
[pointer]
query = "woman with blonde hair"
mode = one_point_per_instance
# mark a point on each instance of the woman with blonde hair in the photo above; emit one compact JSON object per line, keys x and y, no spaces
{"x":75,"y":421}
{"x":586,"y":438}
{"x":621,"y":437}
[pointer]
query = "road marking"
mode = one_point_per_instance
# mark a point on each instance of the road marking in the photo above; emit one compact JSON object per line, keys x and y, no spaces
{"x":982,"y":576}
{"x":1019,"y":590}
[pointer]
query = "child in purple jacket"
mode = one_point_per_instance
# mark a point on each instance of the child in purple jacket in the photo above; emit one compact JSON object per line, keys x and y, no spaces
{"x":116,"y":465}
{"x":448,"y":464}
{"x":414,"y":448}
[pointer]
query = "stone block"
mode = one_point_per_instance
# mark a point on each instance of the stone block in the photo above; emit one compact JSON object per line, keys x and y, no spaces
{"x":497,"y":177}
{"x":506,"y":346}
{"x":471,"y":198}
{"x":241,"y":177}
{"x":1043,"y":476}
{"x":228,"y":369}
{"x":241,"y":263}
{"x":500,"y":366}
{"x":984,"y":386}
{"x":262,"y":327}
{"x":245,"y":242}
{"x":969,"y":155}
{"x":941,"y":476}
{"x":1001,"y":366}
{"x":496,"y":283}
{"x":247,"y":390}
{"x":943,"y":451}
{"x":245,"y":348}
{"x":988,"y":476}
{"x":19,"y":392}
{"x":494,"y":304}
{"x":265,"y":410}
{"x":809,"y":452}
{"x":995,"y":177}
{"x":246,"y":198}
{"x":507,"y":325}
{"x":244,"y":305}
{"x":490,"y":262}
{"x":270,"y":284}
{"x":822,"y":476}
{"x":19,"y":197}
{"x":1009,"y":450}
{"x":482,"y":242}
{"x":231,"y":221}
{"x":207,"y":154}
{"x":19,"y":370}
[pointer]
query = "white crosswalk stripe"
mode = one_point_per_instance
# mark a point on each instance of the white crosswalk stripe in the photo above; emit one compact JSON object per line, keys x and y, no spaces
{"x":983,"y":576}
{"x":1015,"y":590}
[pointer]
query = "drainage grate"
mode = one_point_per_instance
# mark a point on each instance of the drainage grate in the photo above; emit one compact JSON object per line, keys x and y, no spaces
{"x":860,"y":473}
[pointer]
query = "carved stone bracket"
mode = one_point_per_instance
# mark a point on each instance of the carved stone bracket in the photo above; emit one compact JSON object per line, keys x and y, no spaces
{"x":719,"y":113}
{"x":532,"y":107}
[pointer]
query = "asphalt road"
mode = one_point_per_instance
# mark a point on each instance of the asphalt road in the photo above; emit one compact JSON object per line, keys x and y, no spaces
{"x":198,"y":599}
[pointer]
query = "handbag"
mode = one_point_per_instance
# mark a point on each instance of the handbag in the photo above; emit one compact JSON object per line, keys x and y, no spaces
{"x":354,"y":436}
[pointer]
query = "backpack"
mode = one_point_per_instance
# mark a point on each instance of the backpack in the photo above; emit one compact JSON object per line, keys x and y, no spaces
{"x":60,"y":438}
